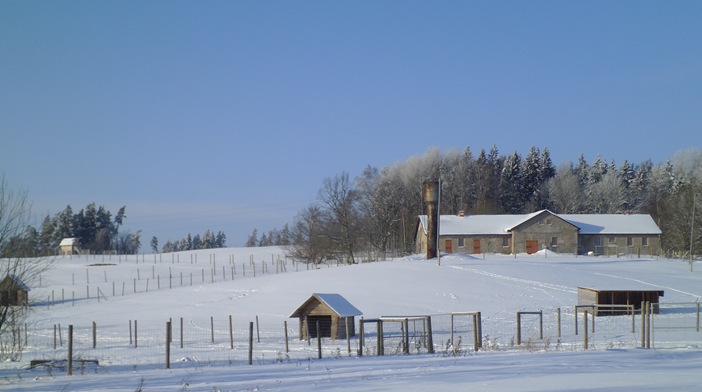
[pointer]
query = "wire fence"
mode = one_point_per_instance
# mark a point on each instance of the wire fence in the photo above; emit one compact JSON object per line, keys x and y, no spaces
{"x":190,"y":342}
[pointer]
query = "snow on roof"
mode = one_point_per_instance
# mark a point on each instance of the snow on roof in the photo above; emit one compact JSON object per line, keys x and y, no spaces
{"x":502,"y":224}
{"x":68,"y":242}
{"x":613,"y":223}
{"x":339,"y":304}
{"x":335,"y":302}
{"x":16,"y":279}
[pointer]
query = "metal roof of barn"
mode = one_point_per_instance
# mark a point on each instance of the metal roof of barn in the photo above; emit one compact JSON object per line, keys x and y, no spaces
{"x":502,"y":224}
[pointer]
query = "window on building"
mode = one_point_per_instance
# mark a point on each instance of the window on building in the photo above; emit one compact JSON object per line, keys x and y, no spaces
{"x":505,"y":242}
{"x":644,"y":241}
{"x":461,"y":243}
{"x":629,"y":241}
{"x":612,"y":240}
{"x":554,"y":241}
{"x":549,"y":221}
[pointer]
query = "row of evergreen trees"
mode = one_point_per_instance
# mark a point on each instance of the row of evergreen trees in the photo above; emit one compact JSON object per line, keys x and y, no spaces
{"x":94,"y":227}
{"x":208,"y":240}
{"x":378,"y":209}
{"x":274,"y":237}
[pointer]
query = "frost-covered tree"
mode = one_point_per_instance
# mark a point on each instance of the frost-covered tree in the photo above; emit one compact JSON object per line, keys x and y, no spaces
{"x":220,"y":239}
{"x":511,"y":189}
{"x":252,"y":240}
{"x":565,"y":191}
{"x":379,"y":206}
{"x":607,"y":196}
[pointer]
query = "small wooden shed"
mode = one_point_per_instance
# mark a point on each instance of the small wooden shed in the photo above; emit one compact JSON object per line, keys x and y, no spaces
{"x":13,"y":292}
{"x":69,"y":246}
{"x":603,"y":299}
{"x":334,"y":313}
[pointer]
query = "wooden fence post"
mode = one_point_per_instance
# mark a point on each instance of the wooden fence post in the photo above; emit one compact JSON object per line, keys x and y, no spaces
{"x":181,"y":332}
{"x":361,"y":340}
{"x":168,"y":344}
{"x":541,"y":323}
{"x":405,"y":342}
{"x":649,"y":311}
{"x":212,"y":327}
{"x":585,"y":329}
{"x":430,"y":338}
{"x":251,"y":326}
{"x":231,"y":333}
{"x":348,"y":336}
{"x":319,"y":341}
{"x":70,"y":349}
{"x":558,"y":319}
{"x":285,"y":328}
{"x":643,"y":324}
{"x":258,"y":334}
{"x":136,"y":343}
{"x":381,"y":338}
{"x":476,"y":343}
{"x":519,"y":328}
{"x":94,"y":334}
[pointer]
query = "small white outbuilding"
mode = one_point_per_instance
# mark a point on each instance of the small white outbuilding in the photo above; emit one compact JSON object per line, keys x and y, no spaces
{"x":69,"y":246}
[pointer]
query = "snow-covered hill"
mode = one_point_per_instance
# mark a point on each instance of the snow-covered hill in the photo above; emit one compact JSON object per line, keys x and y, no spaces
{"x":198,"y":287}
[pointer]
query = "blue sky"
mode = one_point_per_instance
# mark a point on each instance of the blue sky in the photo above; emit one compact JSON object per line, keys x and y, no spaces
{"x":227,"y":115}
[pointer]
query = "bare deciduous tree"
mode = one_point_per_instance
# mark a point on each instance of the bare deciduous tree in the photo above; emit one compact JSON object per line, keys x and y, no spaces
{"x":14,"y":217}
{"x":341,"y":199}
{"x":308,"y":242}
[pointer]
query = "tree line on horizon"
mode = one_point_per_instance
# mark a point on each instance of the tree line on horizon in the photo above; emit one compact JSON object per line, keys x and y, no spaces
{"x":377,"y":210}
{"x":208,"y":240}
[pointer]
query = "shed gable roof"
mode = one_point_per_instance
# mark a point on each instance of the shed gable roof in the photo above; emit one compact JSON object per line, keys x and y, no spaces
{"x":68,"y":242}
{"x":335,"y":302}
{"x":14,"y":280}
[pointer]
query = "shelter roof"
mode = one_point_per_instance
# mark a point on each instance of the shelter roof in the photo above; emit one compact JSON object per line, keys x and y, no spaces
{"x":68,"y":242}
{"x":335,"y":302}
{"x":17,"y":281}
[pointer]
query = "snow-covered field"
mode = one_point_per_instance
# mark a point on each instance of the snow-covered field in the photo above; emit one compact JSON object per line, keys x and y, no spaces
{"x":198,"y":288}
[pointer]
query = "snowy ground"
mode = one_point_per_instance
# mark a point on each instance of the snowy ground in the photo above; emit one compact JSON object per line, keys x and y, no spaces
{"x":200,"y":290}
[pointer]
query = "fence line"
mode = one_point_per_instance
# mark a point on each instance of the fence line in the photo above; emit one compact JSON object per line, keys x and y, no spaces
{"x":190,"y":342}
{"x":146,"y":279}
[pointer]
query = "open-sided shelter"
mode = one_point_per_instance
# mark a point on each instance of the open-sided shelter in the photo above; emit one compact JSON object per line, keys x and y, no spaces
{"x":13,"y":292}
{"x":606,"y":301}
{"x":333,"y":312}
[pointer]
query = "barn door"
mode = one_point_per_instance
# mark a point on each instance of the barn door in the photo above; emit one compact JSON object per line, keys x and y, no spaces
{"x":476,"y":247}
{"x":532,"y":246}
{"x":449,"y":246}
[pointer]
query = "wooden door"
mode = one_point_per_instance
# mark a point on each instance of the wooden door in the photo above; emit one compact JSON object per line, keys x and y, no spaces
{"x":476,"y":247}
{"x":532,"y":246}
{"x":449,"y":246}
